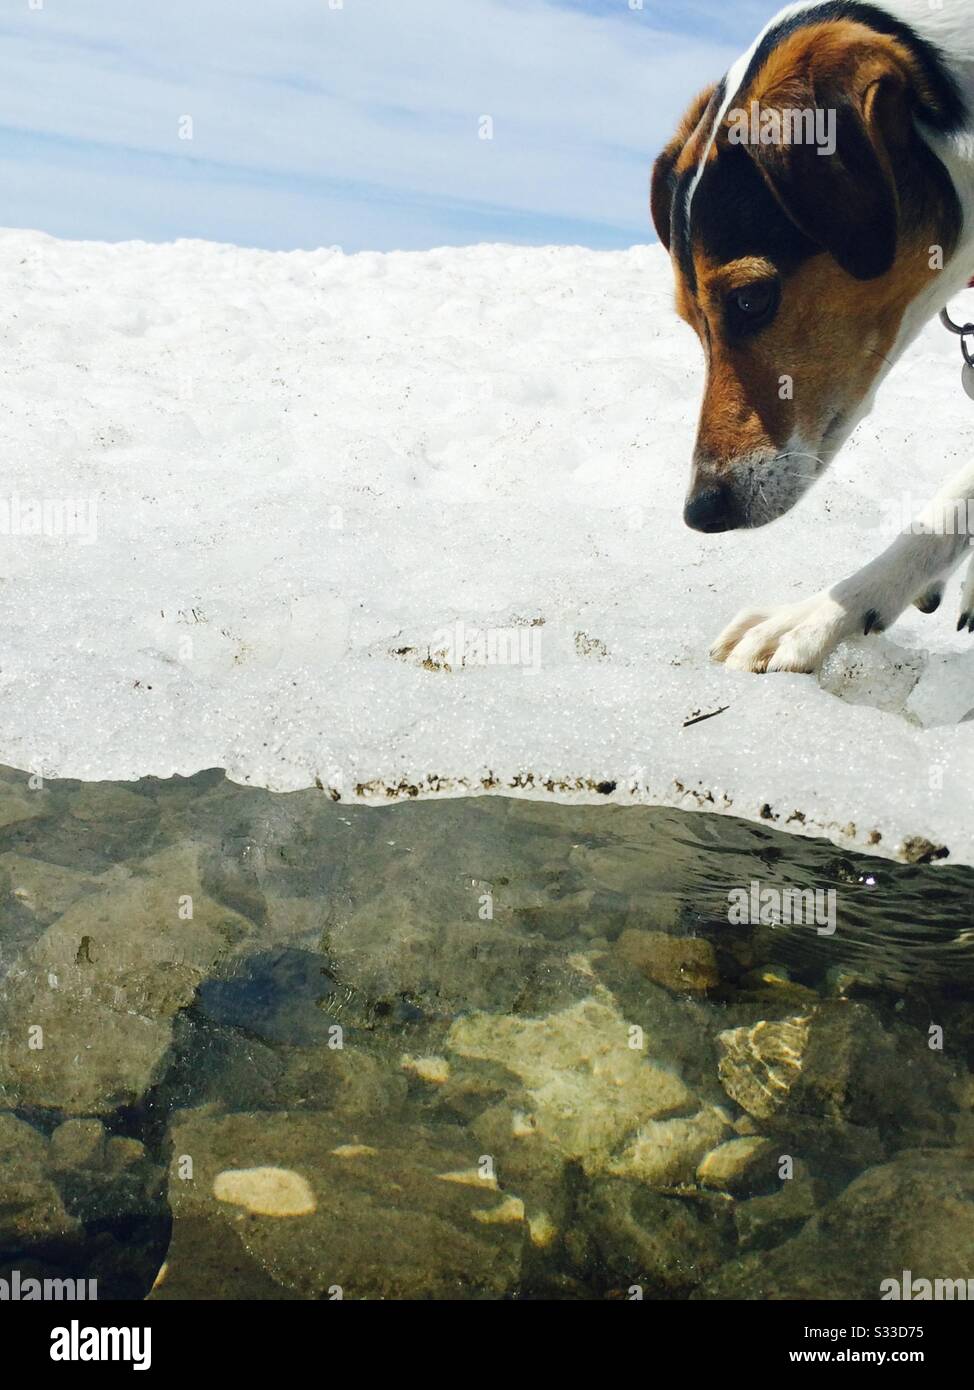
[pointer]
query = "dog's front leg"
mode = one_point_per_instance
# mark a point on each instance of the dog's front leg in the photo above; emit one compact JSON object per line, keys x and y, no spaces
{"x":798,"y":636}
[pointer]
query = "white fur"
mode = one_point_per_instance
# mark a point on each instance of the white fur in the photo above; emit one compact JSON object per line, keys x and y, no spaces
{"x":798,"y":637}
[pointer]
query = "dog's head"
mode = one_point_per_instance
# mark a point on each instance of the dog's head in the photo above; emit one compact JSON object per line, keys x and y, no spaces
{"x":796,"y":259}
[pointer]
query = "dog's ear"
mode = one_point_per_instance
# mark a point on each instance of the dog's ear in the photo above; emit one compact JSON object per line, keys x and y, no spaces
{"x":844,"y":198}
{"x":664,"y":170}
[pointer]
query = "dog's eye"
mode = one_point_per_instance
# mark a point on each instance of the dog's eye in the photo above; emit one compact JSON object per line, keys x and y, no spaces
{"x":753,"y":300}
{"x":752,"y":306}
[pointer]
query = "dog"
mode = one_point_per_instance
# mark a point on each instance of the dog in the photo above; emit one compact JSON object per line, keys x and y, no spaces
{"x":806,"y":266}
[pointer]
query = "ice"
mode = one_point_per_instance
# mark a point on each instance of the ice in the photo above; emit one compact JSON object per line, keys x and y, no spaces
{"x":409,"y":524}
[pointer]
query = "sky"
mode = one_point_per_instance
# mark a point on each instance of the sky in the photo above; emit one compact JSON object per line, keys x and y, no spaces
{"x":363,"y":124}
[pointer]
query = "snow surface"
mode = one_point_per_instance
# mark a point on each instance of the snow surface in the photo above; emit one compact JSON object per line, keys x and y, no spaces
{"x":307,"y":468}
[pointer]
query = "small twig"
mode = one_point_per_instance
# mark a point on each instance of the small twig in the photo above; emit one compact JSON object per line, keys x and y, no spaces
{"x":699,"y":718}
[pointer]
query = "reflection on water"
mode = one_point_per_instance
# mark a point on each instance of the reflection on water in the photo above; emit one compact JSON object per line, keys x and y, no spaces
{"x":264,"y":1046}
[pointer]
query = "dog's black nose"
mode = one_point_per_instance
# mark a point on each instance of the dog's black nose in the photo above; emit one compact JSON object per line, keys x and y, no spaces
{"x":714,"y":509}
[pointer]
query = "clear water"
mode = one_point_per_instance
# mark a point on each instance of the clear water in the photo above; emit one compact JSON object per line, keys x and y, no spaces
{"x":264,"y":1046}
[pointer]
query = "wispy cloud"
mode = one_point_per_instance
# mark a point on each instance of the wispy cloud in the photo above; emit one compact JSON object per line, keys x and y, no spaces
{"x":357,"y":124}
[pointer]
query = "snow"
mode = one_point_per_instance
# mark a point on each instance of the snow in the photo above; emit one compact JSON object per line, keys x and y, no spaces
{"x":306,"y":482}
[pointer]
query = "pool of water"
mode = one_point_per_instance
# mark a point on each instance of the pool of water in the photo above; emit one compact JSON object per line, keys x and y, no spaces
{"x":278,"y":1046}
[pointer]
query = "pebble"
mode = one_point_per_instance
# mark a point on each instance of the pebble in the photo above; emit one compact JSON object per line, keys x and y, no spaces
{"x":265,"y":1191}
{"x":435,"y":1070}
{"x":682,"y":964}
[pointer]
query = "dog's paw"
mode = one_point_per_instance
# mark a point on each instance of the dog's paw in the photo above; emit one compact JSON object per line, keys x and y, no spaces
{"x":794,"y":637}
{"x":966,"y":618}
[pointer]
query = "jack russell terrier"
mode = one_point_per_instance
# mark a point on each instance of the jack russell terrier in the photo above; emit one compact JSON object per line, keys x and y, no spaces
{"x":818,"y":208}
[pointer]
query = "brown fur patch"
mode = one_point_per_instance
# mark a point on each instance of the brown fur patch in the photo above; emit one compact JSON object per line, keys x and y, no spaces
{"x":834,"y":54}
{"x":830,"y":337}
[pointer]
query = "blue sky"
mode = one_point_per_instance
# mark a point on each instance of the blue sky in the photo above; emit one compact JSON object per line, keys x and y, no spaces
{"x":352,"y":123}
